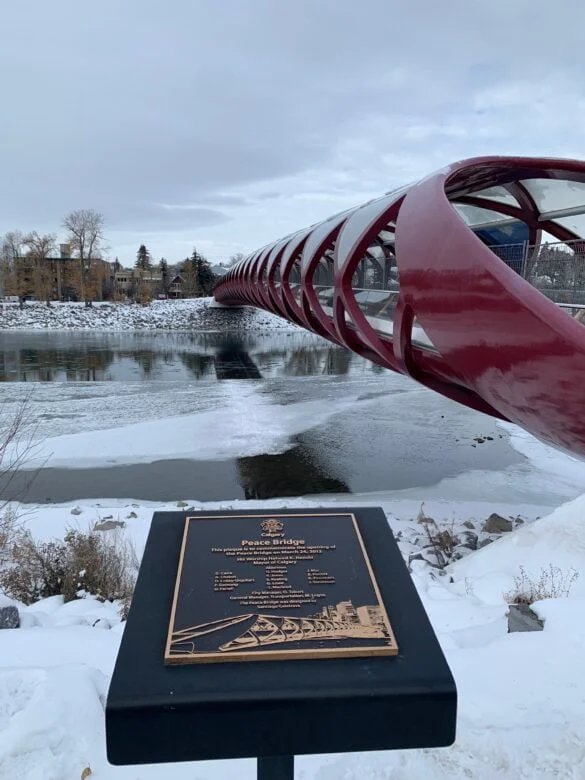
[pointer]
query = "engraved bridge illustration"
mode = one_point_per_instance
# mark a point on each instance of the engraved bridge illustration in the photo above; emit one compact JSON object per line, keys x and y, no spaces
{"x":339,"y":622}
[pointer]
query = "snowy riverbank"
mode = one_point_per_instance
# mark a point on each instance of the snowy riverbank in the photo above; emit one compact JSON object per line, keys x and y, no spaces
{"x":521,"y":696}
{"x":193,"y":314}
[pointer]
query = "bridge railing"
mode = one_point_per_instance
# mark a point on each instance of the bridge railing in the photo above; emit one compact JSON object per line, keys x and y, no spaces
{"x":556,"y":269}
{"x":378,"y":306}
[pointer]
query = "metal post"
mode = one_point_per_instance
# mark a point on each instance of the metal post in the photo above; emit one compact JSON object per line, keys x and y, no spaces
{"x":276,"y":768}
{"x":525,"y":255}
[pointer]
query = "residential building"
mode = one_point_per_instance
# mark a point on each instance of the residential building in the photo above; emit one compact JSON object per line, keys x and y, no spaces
{"x":177,"y":287}
{"x":59,"y":278}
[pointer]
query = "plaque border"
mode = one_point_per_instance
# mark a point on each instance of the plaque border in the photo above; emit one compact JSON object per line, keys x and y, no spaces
{"x":283,"y":655}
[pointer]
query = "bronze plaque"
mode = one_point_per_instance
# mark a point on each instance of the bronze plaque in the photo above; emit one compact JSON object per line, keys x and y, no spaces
{"x":260,"y":587}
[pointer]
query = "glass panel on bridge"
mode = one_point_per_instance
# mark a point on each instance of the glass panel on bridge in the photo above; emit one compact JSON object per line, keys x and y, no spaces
{"x":294,"y":280}
{"x":477,"y":217}
{"x":387,"y":236}
{"x":499,"y":195}
{"x":376,"y":288}
{"x":326,"y":295}
{"x":556,"y":195}
{"x":263,"y":279}
{"x":376,"y":283}
{"x":379,"y":306}
{"x":360,"y":219}
{"x":323,"y":281}
{"x":575,"y":223}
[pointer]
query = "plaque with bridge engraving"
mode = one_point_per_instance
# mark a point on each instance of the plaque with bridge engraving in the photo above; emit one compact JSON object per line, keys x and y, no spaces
{"x":262,"y":587}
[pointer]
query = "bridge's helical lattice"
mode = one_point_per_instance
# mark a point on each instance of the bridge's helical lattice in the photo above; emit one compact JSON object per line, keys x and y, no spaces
{"x":442,"y":281}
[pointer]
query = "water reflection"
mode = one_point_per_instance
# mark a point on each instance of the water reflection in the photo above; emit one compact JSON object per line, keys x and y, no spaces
{"x":36,"y":364}
{"x":180,"y":358}
{"x":310,"y":362}
{"x":296,"y":472}
{"x":146,"y":359}
{"x":98,"y":357}
{"x":233,"y":362}
{"x":199,"y":366}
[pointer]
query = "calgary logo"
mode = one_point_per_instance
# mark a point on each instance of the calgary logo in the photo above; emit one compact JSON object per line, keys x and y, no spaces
{"x":272,"y":527}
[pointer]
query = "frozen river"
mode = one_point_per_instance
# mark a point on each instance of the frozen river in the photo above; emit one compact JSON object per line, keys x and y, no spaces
{"x":162,"y":416}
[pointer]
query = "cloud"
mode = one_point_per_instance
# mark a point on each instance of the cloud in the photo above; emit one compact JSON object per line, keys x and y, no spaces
{"x":151,"y":218}
{"x":251,"y":118}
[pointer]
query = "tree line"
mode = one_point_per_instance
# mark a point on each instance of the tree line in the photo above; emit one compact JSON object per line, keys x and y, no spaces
{"x":33,"y":266}
{"x":191,"y":278}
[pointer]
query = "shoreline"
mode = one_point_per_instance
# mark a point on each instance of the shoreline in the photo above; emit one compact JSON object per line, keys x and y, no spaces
{"x":188,"y":315}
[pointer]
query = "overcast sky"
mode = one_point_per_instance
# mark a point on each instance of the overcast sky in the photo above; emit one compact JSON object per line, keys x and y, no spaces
{"x":226,"y":124}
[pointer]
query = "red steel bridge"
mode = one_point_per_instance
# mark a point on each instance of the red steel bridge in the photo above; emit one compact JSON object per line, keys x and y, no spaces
{"x":471,"y":282}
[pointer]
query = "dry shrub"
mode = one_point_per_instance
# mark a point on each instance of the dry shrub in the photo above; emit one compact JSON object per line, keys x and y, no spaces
{"x":9,"y":525}
{"x":552,"y":583}
{"x":442,"y":541}
{"x":36,"y":569}
{"x":96,"y":563}
{"x":103,"y":564}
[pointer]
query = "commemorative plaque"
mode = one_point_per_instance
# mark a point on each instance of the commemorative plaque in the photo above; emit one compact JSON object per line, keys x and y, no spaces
{"x":273,"y":635}
{"x":265,"y":587}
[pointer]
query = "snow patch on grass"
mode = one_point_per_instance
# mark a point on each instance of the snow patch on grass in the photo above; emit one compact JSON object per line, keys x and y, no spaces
{"x":557,"y":540}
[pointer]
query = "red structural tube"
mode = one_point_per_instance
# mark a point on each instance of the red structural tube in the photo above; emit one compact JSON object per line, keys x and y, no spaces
{"x":490,"y":340}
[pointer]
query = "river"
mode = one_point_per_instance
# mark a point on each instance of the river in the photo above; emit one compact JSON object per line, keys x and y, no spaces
{"x":281,"y":414}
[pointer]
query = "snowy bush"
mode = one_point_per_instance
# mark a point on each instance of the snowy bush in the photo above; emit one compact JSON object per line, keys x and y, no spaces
{"x":551,"y":583}
{"x":101,"y":564}
{"x":8,"y":528}
{"x":35,"y":570}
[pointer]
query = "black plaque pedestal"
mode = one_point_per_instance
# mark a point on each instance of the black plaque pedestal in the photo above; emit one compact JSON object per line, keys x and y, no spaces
{"x":281,"y":707}
{"x":276,"y":768}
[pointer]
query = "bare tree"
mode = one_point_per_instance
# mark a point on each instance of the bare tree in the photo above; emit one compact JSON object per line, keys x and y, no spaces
{"x":19,"y":457}
{"x":11,"y":247}
{"x":40,"y":246}
{"x":85,"y":228}
{"x":40,"y":249}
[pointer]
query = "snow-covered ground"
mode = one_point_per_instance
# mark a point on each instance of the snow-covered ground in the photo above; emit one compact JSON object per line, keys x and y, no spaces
{"x":199,"y":313}
{"x":521,"y":696}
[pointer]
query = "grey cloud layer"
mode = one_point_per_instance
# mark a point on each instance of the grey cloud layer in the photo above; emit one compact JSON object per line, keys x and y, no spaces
{"x":246,"y":116}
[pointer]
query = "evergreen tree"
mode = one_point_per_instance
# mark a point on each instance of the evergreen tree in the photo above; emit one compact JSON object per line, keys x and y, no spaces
{"x":163,"y":267}
{"x":189,"y":274}
{"x":143,"y":259}
{"x":204,"y":278}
